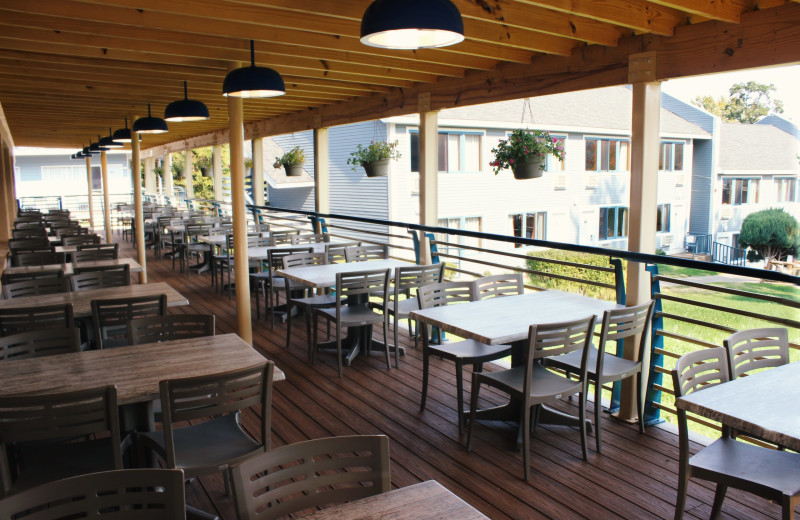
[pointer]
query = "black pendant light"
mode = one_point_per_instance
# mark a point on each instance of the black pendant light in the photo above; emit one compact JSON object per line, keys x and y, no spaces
{"x":123,"y":135}
{"x":96,"y":146}
{"x":150,"y":124}
{"x":109,"y":142}
{"x":186,"y":109}
{"x":411,"y":24}
{"x":252,"y":81}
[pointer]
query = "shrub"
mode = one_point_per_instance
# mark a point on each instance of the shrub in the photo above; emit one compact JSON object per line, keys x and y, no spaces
{"x":771,"y":234}
{"x":542,"y":261}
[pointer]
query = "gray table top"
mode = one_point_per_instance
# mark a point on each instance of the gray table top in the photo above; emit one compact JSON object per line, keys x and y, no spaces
{"x":325,"y":275}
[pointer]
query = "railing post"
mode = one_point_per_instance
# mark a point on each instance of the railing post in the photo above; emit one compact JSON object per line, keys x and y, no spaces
{"x":619,"y":283}
{"x":652,"y":415}
{"x":60,"y":203}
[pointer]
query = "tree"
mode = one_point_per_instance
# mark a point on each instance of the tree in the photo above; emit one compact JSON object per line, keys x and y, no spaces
{"x":771,"y":234}
{"x":748,"y":102}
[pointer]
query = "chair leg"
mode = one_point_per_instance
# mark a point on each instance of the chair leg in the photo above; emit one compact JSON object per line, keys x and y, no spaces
{"x":582,"y":419}
{"x":683,"y":484}
{"x":259,"y":288}
{"x":526,"y":440}
{"x":288,"y":321}
{"x":339,"y":349}
{"x":313,"y":346}
{"x":396,"y":343}
{"x":598,"y":408}
{"x":473,"y":407}
{"x":386,"y":343}
{"x":426,"y":361}
{"x":460,"y":393}
{"x":640,"y":401}
{"x":308,"y":311}
{"x":719,"y":497}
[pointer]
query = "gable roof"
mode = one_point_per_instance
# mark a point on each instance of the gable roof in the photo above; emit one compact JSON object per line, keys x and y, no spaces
{"x":757,"y":148}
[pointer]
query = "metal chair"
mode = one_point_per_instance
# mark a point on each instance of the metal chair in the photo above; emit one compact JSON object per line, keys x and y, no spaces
{"x":284,"y":236}
{"x":312,"y":238}
{"x":353,"y":310}
{"x":138,"y":494}
{"x":38,"y":430}
{"x":28,"y":244}
{"x":311,"y":474}
{"x":77,"y":240}
{"x":86,"y":279}
{"x":271,"y":284}
{"x":38,"y":343}
{"x":498,"y":285}
{"x":533,"y":385}
{"x":152,"y":329}
{"x":366,"y":252}
{"x":307,"y":302}
{"x":96,"y":252}
{"x":460,"y":352}
{"x":336,"y":251}
{"x":110,"y":317}
{"x":36,"y":287}
{"x":617,"y":325}
{"x":56,"y":271}
{"x":191,"y":245}
{"x":37,"y":258}
{"x":20,"y":319}
{"x":770,"y":474}
{"x":754,"y":349}
{"x":31,"y":232}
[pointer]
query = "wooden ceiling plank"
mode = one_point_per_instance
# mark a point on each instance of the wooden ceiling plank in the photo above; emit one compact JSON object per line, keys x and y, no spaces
{"x":723,"y":10}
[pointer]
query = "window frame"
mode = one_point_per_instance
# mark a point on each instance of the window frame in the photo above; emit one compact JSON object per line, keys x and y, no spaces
{"x":603,"y":222}
{"x":672,"y":143}
{"x":552,"y":164}
{"x":598,"y":149}
{"x":785,"y":195}
{"x":462,"y":151}
{"x":664,"y":212}
{"x":731,"y":194}
{"x":539,"y":232}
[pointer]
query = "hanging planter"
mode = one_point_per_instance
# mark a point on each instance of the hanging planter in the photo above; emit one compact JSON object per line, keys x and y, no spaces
{"x":525,"y":153}
{"x":292,"y":161}
{"x":293,"y":170}
{"x":374,"y":158}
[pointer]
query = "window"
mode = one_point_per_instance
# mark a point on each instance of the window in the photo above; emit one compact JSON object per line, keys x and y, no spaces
{"x":553,"y":164}
{"x":607,"y":155}
{"x":670,"y":157}
{"x":737,"y":191}
{"x":662,"y":218}
{"x":60,"y":174}
{"x":465,"y":223}
{"x":786,"y":189}
{"x":613,"y":222}
{"x":529,"y":225}
{"x":29,"y":174}
{"x":458,"y":151}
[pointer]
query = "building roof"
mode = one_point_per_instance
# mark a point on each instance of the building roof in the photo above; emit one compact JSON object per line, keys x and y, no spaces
{"x":276,"y":177}
{"x":757,"y":148}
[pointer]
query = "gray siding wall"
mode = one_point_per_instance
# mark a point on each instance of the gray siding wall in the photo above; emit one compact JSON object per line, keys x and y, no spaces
{"x":31,"y":183}
{"x":702,"y":187}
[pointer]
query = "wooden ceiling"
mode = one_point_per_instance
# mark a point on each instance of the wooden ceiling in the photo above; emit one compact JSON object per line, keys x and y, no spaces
{"x":70,"y":69}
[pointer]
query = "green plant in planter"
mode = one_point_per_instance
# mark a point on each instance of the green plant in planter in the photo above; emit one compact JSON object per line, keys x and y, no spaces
{"x":375,"y":151}
{"x":525,"y":146}
{"x":293,"y":157}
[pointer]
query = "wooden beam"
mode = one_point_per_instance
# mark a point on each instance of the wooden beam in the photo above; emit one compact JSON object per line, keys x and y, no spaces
{"x":258,"y":170}
{"x":322,"y":192}
{"x":428,"y":171}
{"x":137,"y":205}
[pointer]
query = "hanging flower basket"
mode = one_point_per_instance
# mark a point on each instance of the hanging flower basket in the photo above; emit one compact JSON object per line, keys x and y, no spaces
{"x":377,"y":168}
{"x":530,"y":168}
{"x":293,"y":170}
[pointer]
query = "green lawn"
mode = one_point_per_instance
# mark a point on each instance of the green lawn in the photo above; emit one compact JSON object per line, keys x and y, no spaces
{"x":682,"y":272}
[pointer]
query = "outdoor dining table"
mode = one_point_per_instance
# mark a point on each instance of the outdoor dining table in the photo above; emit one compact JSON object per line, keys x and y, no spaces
{"x":506,"y":320}
{"x":82,"y":300}
{"x":427,"y":500}
{"x":135,"y":370}
{"x":764,"y":404}
{"x":323,"y":277}
{"x":68,"y":269}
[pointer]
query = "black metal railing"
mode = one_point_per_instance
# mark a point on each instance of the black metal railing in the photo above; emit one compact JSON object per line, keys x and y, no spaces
{"x":726,"y":254}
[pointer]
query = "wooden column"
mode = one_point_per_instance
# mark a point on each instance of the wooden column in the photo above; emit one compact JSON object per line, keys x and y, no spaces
{"x":137,"y":204}
{"x":322,"y":192}
{"x":216,"y":162}
{"x":106,"y":205}
{"x":428,"y":171}
{"x":645,"y":143}
{"x":258,"y":171}
{"x":90,"y":191}
{"x":6,"y":220}
{"x":187,"y":174}
{"x":169,"y":189}
{"x":241,"y":263}
{"x":11,"y":187}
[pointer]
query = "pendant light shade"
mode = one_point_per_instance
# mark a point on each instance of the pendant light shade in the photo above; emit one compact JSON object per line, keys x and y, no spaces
{"x":186,"y":109}
{"x":150,"y":124}
{"x":411,"y":24}
{"x":123,"y":135}
{"x":109,"y":142}
{"x":97,"y":147}
{"x":252,"y":81}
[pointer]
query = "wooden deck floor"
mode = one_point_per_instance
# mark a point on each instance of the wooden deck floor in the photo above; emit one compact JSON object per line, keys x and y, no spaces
{"x":634,"y":478}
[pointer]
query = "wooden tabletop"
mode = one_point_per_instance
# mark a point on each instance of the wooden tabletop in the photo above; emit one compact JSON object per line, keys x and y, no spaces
{"x":69,"y":269}
{"x":765,"y":404}
{"x":424,"y":501}
{"x":325,"y":275}
{"x":504,"y":320}
{"x":81,"y":300}
{"x":135,"y":370}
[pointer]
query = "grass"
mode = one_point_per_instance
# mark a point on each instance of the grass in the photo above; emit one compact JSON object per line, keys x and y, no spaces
{"x":682,"y":272}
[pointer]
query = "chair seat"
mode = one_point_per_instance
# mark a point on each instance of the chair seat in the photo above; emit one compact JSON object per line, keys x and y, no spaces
{"x":279,"y":284}
{"x":543,"y":382}
{"x":471,"y":350}
{"x":321,"y":300}
{"x":747,"y":466}
{"x":353,"y":316}
{"x":403,"y":306}
{"x":199,"y":448}
{"x":614,"y":368}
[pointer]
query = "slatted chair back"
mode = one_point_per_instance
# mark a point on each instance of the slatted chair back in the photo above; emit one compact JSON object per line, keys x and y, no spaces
{"x":77,"y":240}
{"x":28,"y":244}
{"x":136,"y":494}
{"x":198,"y":398}
{"x":54,"y":272}
{"x":258,"y":228}
{"x":259,"y":241}
{"x":58,"y":416}
{"x":555,"y":339}
{"x":300,"y":259}
{"x":498,"y":285}
{"x":754,"y":349}
{"x":275,"y":256}
{"x":358,"y":286}
{"x":311,"y":474}
{"x":110,"y":317}
{"x":311,"y":238}
{"x":14,"y":320}
{"x":196,"y":230}
{"x":57,"y":213}
{"x":336,"y":252}
{"x":28,"y":224}
{"x":96,"y":252}
{"x":152,"y":329}
{"x":699,"y":370}
{"x":366,"y":252}
{"x":39,"y":343}
{"x":64,"y":229}
{"x":283,"y":236}
{"x":37,"y":258}
{"x":89,"y":278}
{"x":36,"y":287}
{"x":32,"y":232}
{"x":445,"y":293}
{"x":413,"y":277}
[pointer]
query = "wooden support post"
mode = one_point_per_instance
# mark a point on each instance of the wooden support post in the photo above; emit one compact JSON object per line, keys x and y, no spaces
{"x":645,"y":143}
{"x":6,"y":220}
{"x":166,"y":166}
{"x":137,"y":204}
{"x":428,"y":172}
{"x":90,"y":191}
{"x":187,"y":174}
{"x":8,"y":181}
{"x":241,"y":263}
{"x":258,"y":171}
{"x":106,"y":205}
{"x":217,"y":171}
{"x":321,"y":171}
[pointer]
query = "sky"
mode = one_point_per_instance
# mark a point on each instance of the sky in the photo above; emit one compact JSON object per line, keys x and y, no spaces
{"x":785,"y":79}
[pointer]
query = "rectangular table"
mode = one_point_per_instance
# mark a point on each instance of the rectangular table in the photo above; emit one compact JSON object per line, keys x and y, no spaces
{"x":68,"y":269}
{"x":424,"y":501}
{"x":765,"y":404}
{"x":81,"y":300}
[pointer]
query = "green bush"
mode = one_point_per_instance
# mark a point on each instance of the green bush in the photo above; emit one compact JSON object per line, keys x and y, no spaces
{"x":771,"y":234}
{"x":541,"y":261}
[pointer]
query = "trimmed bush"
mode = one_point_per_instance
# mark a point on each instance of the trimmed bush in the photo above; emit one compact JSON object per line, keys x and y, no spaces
{"x":541,"y":261}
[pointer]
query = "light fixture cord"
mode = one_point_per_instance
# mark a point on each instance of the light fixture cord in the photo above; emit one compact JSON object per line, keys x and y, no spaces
{"x":148,"y":111}
{"x":252,"y":53}
{"x":185,"y":92}
{"x":126,"y":122}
